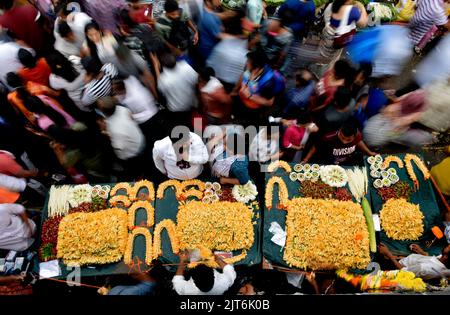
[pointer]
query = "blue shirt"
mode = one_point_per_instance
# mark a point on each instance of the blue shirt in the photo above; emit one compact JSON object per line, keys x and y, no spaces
{"x":142,"y":288}
{"x":303,"y":11}
{"x":375,"y":102}
{"x":209,"y":29}
{"x":298,"y":98}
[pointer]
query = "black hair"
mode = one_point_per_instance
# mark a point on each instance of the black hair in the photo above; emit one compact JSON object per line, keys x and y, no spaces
{"x":61,"y":66}
{"x":169,"y":61}
{"x":366,"y":69}
{"x":16,"y":82}
{"x":64,"y":29}
{"x":349,"y":129}
{"x":342,"y":97}
{"x":92,"y":65}
{"x":111,"y":104}
{"x":63,"y":8}
{"x":26,"y":58}
{"x":171,"y":6}
{"x":92,"y":46}
{"x":304,"y":117}
{"x":233,"y":26}
{"x":286,"y":17}
{"x":35,"y":105}
{"x":206,"y":73}
{"x":6,"y":4}
{"x":257,"y":58}
{"x":337,"y":5}
{"x":271,"y":125}
{"x":203,"y":277}
{"x":118,"y":85}
{"x":299,"y":77}
{"x":341,"y":69}
{"x":125,"y":18}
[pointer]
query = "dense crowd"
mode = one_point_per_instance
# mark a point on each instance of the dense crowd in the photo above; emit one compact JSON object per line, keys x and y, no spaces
{"x":109,"y":91}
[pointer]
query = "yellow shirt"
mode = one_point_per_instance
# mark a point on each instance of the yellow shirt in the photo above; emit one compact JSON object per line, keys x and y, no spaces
{"x":441,"y":174}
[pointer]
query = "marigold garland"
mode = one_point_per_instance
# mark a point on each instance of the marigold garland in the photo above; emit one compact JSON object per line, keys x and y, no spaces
{"x":119,"y":186}
{"x":201,"y":186}
{"x":193,"y":193}
{"x":114,"y":201}
{"x":93,"y":238}
{"x":392,"y":158}
{"x":283,"y":194}
{"x":237,"y":258}
{"x":142,"y":184}
{"x":420,"y":164}
{"x":223,"y":226}
{"x":276,"y":164}
{"x":326,"y":235}
{"x":128,"y":259}
{"x":170,"y":227}
{"x":401,"y":220}
{"x":150,"y":211}
{"x":163,"y":186}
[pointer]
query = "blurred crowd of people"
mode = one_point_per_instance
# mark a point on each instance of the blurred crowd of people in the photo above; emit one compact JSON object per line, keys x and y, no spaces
{"x":92,"y":91}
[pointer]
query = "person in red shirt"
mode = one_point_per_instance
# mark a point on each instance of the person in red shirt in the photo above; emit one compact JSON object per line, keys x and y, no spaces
{"x":34,"y":70}
{"x":339,"y":147}
{"x":141,"y":12}
{"x":9,"y":166}
{"x":22,"y":21}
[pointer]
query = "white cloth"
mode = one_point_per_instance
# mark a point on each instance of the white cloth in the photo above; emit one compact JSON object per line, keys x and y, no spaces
{"x":222,"y":282}
{"x":343,"y":27}
{"x":74,"y":89}
{"x":426,"y":267}
{"x":9,"y":59}
{"x":166,"y":160}
{"x":139,"y":100}
{"x":279,"y":235}
{"x":212,"y":85}
{"x":178,"y":86}
{"x":261,"y":148}
{"x":49,"y":269}
{"x":77,"y":22}
{"x":14,"y":233}
{"x":12,"y":183}
{"x":127,"y":139}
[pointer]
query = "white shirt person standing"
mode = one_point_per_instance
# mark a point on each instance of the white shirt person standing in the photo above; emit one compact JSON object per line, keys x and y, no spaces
{"x":16,"y":230}
{"x":180,"y":159}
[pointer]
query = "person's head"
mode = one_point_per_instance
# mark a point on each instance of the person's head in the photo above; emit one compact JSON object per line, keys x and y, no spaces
{"x":342,"y":98}
{"x":363,"y":73}
{"x":65,"y":31}
{"x":168,"y":61}
{"x":205,"y":74}
{"x":93,"y":66}
{"x":13,"y":80}
{"x":63,"y":9}
{"x":35,"y":105}
{"x":256,"y":60}
{"x":6,"y":4}
{"x":342,"y":69}
{"x":233,"y":26}
{"x":26,"y":58}
{"x":203,"y":277}
{"x":172,"y":9}
{"x":126,"y":22}
{"x":302,"y":78}
{"x":304,"y":118}
{"x":118,"y":88}
{"x":337,"y":5}
{"x":348,"y":132}
{"x":93,"y":32}
{"x":287,"y":17}
{"x":179,"y":141}
{"x":107,"y":105}
{"x":61,"y":66}
{"x":212,"y":4}
{"x":275,"y":24}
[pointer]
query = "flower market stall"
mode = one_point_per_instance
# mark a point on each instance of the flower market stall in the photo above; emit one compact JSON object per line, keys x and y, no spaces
{"x":112,"y":229}
{"x":318,"y":208}
{"x":402,"y":193}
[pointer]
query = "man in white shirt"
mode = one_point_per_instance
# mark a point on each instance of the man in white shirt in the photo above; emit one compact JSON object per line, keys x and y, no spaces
{"x":126,"y":138}
{"x":69,"y":31}
{"x":180,"y":159}
{"x":16,"y":230}
{"x":177,"y":83}
{"x":204,"y":280}
{"x":9,"y":59}
{"x":422,"y":265}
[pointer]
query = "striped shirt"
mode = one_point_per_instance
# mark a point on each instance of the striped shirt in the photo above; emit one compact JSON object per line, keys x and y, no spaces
{"x":98,"y":88}
{"x":428,"y":13}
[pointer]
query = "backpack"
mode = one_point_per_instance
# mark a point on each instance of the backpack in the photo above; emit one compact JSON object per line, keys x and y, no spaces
{"x":180,"y":36}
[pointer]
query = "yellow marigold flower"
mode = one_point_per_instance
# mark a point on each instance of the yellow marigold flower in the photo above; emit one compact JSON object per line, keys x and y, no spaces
{"x":401,"y":220}
{"x":420,"y":164}
{"x":392,"y":158}
{"x":120,"y":186}
{"x":283,"y":194}
{"x":119,"y":199}
{"x":171,"y":231}
{"x":130,"y":245}
{"x":93,"y":238}
{"x":326,"y":235}
{"x":163,"y":186}
{"x":150,"y":211}
{"x":201,"y":186}
{"x":276,"y":164}
{"x":134,"y":193}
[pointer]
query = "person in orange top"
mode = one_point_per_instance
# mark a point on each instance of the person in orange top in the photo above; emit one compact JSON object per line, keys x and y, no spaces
{"x":35,"y":70}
